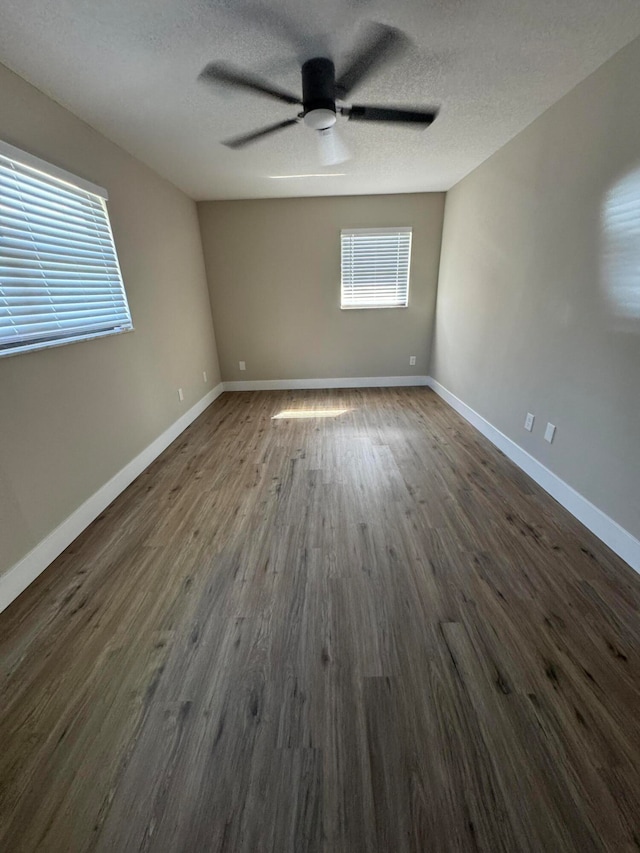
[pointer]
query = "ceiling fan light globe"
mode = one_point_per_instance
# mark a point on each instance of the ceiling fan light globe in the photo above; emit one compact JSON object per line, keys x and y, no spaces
{"x":331,"y":149}
{"x":320,"y":119}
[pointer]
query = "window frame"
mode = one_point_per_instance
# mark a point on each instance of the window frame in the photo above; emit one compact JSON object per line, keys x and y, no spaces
{"x":365,"y":232}
{"x":52,"y":174}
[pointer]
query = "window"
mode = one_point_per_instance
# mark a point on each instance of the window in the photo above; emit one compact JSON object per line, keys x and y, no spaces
{"x":59,"y":275}
{"x":375,"y":267}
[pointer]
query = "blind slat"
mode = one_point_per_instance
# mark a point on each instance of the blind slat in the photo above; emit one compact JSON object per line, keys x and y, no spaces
{"x":69,"y":218}
{"x":44,"y":313}
{"x":31,"y":179}
{"x":16,"y":238}
{"x":45,"y":224}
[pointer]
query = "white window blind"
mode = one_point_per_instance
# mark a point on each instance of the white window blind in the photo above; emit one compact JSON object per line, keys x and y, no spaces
{"x":375,"y":267}
{"x":60,"y":279}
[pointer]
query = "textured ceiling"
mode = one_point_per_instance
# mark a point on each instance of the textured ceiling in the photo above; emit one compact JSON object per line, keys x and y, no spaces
{"x":129,"y":68}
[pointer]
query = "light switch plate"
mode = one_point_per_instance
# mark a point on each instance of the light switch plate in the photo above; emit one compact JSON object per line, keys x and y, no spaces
{"x":549,"y":432}
{"x":528,"y":421}
{"x":243,"y":365}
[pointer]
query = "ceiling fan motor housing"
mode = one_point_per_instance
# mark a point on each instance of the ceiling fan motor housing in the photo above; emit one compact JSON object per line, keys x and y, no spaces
{"x":318,"y":93}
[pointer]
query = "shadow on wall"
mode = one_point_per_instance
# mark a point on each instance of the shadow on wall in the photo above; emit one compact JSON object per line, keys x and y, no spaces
{"x":621,"y":251}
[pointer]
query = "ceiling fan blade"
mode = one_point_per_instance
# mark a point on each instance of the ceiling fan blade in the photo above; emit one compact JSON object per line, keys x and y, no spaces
{"x":247,"y":138}
{"x":390,"y":114}
{"x":216,"y":72}
{"x":331,"y":148}
{"x":380,"y":44}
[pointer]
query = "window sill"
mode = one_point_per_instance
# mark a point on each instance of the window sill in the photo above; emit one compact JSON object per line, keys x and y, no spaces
{"x":26,"y":348}
{"x":369,"y":307}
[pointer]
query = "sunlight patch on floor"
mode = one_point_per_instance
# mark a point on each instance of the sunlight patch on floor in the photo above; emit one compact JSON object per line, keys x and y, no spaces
{"x":286,"y":414}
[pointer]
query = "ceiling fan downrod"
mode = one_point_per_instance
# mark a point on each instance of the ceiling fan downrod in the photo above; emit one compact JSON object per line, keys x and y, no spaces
{"x":318,"y":93}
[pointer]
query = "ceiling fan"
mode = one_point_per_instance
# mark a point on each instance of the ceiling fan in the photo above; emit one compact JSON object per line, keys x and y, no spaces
{"x":323,"y":94}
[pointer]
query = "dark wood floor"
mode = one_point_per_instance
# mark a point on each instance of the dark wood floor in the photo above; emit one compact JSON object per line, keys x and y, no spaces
{"x":365,"y":632}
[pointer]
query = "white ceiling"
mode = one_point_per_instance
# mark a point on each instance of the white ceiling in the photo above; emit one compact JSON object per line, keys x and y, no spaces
{"x":129,"y":68}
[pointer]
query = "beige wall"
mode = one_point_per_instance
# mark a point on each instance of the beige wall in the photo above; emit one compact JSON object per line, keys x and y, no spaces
{"x":274,"y":278}
{"x":539,"y":292}
{"x":72,"y":416}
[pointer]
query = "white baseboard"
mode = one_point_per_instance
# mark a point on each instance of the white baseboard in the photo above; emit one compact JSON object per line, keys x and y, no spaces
{"x":345,"y":382}
{"x":609,"y":531}
{"x":19,"y":576}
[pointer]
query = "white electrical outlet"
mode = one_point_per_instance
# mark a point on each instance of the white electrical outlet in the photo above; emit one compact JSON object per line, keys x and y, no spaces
{"x":180,"y":395}
{"x":412,"y":360}
{"x":528,"y":421}
{"x":204,"y":376}
{"x":243,"y":365}
{"x":549,"y":432}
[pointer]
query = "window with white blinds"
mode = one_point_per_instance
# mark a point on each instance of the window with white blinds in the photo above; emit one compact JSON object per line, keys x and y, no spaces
{"x":60,"y":279}
{"x":375,"y":267}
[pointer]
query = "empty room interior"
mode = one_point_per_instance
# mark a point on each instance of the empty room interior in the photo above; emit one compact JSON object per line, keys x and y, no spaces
{"x":320,"y":426}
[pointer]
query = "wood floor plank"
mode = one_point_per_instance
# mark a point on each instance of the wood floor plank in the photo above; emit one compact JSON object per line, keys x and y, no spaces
{"x":351,"y":630}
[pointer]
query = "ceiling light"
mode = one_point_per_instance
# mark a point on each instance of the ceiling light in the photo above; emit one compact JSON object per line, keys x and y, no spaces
{"x":319,"y":175}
